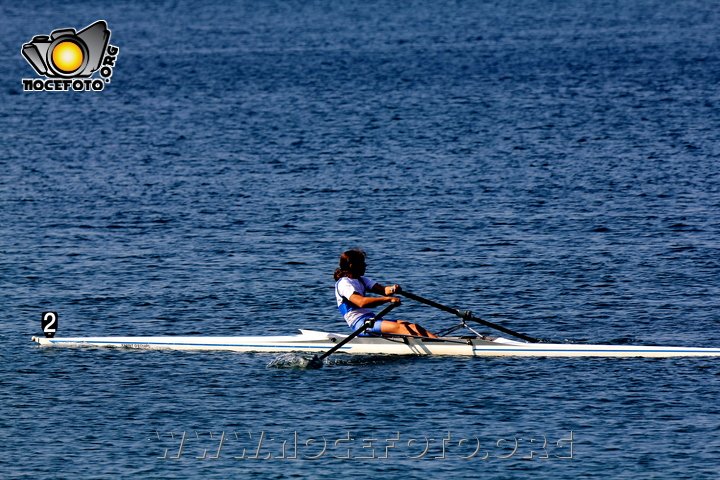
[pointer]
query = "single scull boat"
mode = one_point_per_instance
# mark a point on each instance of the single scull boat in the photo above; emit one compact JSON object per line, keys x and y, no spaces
{"x":314,"y":342}
{"x":322,"y":344}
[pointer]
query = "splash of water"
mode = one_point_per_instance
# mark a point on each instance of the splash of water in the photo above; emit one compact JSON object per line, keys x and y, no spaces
{"x":292,"y":360}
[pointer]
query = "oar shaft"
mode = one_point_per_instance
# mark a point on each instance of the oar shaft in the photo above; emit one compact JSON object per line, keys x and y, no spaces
{"x":444,"y":308}
{"x":467,"y":316}
{"x":357,"y":332}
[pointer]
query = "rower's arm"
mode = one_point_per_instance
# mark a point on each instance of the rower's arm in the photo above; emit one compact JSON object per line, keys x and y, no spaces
{"x":368,"y":302}
{"x":380,"y":290}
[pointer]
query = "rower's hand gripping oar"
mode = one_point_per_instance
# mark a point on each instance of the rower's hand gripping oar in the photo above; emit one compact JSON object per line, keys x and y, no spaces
{"x":467,"y":316}
{"x":317,"y":362}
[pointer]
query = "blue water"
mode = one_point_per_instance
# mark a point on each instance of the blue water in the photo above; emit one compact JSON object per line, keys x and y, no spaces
{"x":551,"y":166}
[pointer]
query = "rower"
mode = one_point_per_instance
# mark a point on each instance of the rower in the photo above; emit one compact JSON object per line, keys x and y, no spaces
{"x":350,"y":293}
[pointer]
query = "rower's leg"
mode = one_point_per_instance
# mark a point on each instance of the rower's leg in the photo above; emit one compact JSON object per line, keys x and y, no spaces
{"x":422,"y":331}
{"x":402,"y":327}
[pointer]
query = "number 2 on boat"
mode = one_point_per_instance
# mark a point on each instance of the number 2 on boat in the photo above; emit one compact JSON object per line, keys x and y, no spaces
{"x":49,"y":323}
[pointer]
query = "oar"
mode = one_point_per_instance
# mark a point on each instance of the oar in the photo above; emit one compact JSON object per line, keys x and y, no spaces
{"x":317,"y":362}
{"x":467,"y":316}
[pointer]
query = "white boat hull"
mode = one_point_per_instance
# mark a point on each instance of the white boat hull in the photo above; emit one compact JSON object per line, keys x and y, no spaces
{"x":313,"y":342}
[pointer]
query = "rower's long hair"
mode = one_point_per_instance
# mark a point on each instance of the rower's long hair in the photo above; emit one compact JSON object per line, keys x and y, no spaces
{"x":347,"y":262}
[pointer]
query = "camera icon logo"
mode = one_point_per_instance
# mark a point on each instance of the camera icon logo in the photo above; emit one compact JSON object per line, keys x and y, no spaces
{"x":66,"y":53}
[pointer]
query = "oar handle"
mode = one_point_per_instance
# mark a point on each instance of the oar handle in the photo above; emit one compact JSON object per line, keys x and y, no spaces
{"x":465,"y":315}
{"x":368,"y":324}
